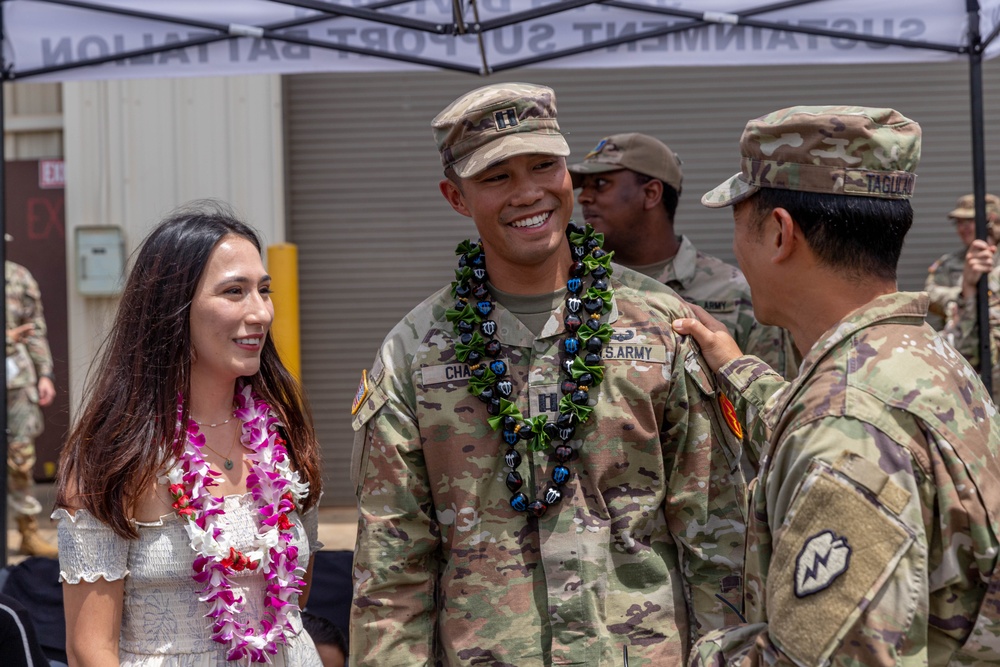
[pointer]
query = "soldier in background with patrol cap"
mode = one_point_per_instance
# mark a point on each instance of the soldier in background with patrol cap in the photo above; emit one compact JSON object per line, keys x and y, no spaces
{"x":962,"y":328}
{"x":29,"y":385}
{"x":630,"y":185}
{"x":944,"y":277}
{"x":544,"y":469}
{"x":875,"y":515}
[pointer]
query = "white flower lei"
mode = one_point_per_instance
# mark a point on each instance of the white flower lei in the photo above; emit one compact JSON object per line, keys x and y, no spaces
{"x":276,"y":489}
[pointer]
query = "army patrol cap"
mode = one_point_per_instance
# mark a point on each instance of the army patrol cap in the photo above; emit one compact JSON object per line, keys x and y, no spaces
{"x":495,"y":122}
{"x":966,"y":207}
{"x":839,"y":150}
{"x":635,"y":151}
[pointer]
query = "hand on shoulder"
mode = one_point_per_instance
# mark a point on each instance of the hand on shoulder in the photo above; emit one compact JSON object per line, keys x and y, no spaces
{"x":712,"y":336}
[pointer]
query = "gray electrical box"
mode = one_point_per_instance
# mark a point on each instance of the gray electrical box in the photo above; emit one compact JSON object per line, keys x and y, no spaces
{"x":100,"y":260}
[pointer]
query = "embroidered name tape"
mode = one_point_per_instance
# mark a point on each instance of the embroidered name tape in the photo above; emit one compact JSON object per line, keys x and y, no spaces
{"x":716,"y":306}
{"x":628,"y":344}
{"x":444,"y":373}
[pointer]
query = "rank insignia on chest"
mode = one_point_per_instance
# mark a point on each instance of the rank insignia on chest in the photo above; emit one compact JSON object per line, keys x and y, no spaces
{"x":729,"y":414}
{"x":361,"y":394}
{"x":823,"y":558}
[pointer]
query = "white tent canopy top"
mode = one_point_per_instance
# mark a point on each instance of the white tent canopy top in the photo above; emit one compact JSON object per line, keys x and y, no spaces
{"x":111,"y":39}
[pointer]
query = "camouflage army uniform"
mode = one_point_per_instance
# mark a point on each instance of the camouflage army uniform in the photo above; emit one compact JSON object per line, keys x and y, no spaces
{"x":722,"y":290}
{"x":944,"y":285}
{"x":875,"y":518}
{"x":26,"y":362}
{"x":649,"y":531}
{"x":965,"y":331}
{"x":944,"y":277}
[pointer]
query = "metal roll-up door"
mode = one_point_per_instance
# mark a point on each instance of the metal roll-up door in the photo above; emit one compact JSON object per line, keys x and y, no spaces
{"x":375,"y":236}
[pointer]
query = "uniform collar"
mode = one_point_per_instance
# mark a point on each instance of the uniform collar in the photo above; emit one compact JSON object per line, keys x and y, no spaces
{"x":899,"y":307}
{"x":682,"y":266}
{"x":510,"y":330}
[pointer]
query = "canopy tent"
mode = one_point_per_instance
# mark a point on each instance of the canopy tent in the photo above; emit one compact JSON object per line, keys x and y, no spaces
{"x":76,"y":39}
{"x":62,"y":40}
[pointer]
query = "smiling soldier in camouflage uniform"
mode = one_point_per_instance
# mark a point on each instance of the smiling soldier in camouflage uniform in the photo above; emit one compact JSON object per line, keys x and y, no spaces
{"x":508,"y":526}
{"x":875,"y":516}
{"x":629,"y":189}
{"x":29,"y":383}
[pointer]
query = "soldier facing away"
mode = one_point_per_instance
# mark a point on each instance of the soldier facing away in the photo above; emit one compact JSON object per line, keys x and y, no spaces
{"x":544,"y":472}
{"x":29,"y":385}
{"x":875,"y":515}
{"x":630,"y":185}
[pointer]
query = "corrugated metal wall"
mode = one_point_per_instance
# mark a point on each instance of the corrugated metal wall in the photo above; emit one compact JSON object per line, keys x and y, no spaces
{"x":375,"y":236}
{"x":33,"y":121}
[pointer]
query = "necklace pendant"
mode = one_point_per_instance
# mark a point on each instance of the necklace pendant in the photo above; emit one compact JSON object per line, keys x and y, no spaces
{"x":228,"y":464}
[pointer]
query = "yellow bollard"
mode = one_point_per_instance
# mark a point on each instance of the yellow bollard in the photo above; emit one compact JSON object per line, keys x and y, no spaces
{"x":283,"y":265}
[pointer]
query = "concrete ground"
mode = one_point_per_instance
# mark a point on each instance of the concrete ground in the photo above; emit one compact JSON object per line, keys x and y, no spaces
{"x":337,"y":526}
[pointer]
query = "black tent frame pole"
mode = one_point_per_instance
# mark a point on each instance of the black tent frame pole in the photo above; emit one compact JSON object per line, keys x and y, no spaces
{"x":979,"y":185}
{"x":3,"y":260}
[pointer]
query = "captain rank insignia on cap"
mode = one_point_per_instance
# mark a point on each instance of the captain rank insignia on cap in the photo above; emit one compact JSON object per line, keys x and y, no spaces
{"x":361,"y":394}
{"x":505,"y":118}
{"x":823,"y":558}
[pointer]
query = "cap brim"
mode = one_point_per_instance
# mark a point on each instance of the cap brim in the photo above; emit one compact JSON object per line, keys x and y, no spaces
{"x":728,"y":193}
{"x":963,"y":213}
{"x":524,"y":143}
{"x":593,"y":167}
{"x":581,"y":169}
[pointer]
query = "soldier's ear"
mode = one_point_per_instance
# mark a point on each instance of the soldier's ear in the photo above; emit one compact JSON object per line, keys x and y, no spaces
{"x":653,"y":194}
{"x":784,"y":234}
{"x":454,"y":196}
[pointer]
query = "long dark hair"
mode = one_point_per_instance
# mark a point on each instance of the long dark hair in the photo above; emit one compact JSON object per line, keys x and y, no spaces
{"x":128,"y":426}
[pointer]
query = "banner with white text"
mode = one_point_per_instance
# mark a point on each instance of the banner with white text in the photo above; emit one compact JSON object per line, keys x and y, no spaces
{"x":47,"y":41}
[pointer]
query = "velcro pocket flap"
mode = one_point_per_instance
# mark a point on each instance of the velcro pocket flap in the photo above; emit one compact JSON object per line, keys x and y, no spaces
{"x":841,"y":543}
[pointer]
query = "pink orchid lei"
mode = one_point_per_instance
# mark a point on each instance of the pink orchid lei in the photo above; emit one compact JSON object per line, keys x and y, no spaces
{"x":275,"y":488}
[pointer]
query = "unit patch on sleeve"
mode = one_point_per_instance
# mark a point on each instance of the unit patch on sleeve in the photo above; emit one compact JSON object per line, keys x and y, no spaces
{"x":823,"y":558}
{"x":361,"y":394}
{"x":729,"y":414}
{"x":838,"y":547}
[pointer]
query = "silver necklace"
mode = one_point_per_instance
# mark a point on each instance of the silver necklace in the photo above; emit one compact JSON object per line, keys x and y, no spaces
{"x":223,"y":423}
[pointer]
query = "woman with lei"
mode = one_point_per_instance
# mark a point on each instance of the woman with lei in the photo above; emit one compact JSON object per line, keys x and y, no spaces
{"x":188,"y":487}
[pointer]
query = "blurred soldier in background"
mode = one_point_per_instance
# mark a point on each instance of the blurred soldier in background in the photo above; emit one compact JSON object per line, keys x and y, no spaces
{"x":29,"y":385}
{"x":630,"y":185}
{"x":944,"y":277}
{"x":963,"y":325}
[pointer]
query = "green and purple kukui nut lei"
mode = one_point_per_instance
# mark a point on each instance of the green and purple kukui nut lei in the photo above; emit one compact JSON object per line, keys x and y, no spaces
{"x":586,"y":337}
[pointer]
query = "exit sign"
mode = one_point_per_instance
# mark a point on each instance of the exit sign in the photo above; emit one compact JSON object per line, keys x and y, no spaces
{"x":51,"y":174}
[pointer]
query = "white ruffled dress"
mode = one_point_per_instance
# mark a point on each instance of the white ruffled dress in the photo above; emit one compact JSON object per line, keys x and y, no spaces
{"x":163,"y":622}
